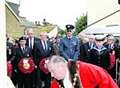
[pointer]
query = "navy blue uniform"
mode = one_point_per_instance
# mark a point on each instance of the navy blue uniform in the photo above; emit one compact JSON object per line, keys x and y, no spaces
{"x":70,"y":48}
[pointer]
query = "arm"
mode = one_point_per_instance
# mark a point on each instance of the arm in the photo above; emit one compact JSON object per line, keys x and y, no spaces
{"x":93,"y":76}
{"x":62,"y":50}
{"x":77,"y":52}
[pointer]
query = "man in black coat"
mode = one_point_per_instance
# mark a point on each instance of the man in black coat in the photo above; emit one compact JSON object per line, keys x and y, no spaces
{"x":31,"y":40}
{"x":44,"y":49}
{"x":31,"y":43}
{"x":22,"y":51}
{"x":114,"y":49}
{"x":86,"y":47}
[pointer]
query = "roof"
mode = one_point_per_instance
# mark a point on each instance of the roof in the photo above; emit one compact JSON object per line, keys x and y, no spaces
{"x":10,"y":8}
{"x":14,"y":7}
{"x":26,"y":23}
{"x":102,"y":30}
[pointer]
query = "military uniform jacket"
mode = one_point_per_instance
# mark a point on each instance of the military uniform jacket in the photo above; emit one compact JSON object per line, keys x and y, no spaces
{"x":70,"y":48}
{"x":100,"y":57}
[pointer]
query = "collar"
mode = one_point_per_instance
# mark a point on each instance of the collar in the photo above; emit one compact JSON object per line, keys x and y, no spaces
{"x":69,"y":37}
{"x":66,"y":81}
{"x":100,"y":48}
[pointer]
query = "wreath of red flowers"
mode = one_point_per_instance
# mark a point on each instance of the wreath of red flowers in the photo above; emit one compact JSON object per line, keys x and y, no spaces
{"x":42,"y":66}
{"x":26,"y":65}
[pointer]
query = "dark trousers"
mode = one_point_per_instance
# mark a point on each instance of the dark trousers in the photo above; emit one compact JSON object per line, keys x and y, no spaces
{"x":28,"y":81}
{"x":41,"y":80}
{"x":37,"y":83}
{"x":46,"y":79}
{"x":24,"y":81}
{"x":14,"y":78}
{"x":112,"y":72}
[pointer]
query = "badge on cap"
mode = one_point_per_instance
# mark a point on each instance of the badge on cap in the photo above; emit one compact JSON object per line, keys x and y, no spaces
{"x":69,"y":27}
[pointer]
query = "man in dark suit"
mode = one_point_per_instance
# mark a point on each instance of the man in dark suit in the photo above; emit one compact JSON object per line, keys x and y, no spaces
{"x":86,"y":47}
{"x":22,"y":51}
{"x":31,"y":42}
{"x":31,"y":39}
{"x":44,"y":49}
{"x":114,"y":50}
{"x":9,"y":50}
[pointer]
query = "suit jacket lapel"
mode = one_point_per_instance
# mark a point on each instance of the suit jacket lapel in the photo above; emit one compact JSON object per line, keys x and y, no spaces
{"x":21,"y":52}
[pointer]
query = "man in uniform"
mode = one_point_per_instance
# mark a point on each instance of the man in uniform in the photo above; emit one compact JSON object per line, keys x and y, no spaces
{"x":70,"y":45}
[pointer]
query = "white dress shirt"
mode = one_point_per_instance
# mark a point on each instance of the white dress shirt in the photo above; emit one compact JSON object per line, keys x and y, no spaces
{"x":32,"y":41}
{"x":44,"y":44}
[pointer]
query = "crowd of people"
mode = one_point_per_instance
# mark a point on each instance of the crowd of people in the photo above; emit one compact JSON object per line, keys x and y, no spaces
{"x":63,"y":62}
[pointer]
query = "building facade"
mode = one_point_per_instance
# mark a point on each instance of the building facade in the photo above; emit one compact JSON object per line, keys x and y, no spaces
{"x":103,"y":12}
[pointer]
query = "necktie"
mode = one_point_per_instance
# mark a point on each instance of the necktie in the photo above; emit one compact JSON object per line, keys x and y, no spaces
{"x":109,"y":46}
{"x":45,"y":45}
{"x":31,"y":43}
{"x":91,"y":45}
{"x":23,"y":49}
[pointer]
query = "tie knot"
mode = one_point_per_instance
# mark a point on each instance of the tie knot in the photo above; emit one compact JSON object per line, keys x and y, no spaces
{"x":23,"y":48}
{"x":44,"y":41}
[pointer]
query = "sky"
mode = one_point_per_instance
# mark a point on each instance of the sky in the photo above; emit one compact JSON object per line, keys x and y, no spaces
{"x":60,"y":12}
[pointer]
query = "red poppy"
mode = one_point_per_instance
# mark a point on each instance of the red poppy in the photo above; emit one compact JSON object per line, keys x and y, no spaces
{"x":9,"y":69}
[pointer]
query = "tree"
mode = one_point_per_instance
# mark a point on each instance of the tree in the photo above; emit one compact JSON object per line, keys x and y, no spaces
{"x":61,"y":32}
{"x":80,"y":24}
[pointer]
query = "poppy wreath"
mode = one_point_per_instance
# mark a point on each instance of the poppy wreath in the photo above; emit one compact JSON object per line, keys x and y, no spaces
{"x":26,"y":65}
{"x":9,"y":69}
{"x":42,"y":66}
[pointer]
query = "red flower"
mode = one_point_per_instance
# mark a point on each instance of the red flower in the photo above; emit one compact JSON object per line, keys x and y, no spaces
{"x":26,"y":65}
{"x":42,"y":66}
{"x":9,"y":69}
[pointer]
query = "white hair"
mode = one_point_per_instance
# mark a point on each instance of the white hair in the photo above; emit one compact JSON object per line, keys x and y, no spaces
{"x":56,"y":59}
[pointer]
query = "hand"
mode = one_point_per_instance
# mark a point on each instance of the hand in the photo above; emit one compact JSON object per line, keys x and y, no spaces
{"x":35,"y":66}
{"x":9,"y":62}
{"x":15,"y":71}
{"x":70,"y":59}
